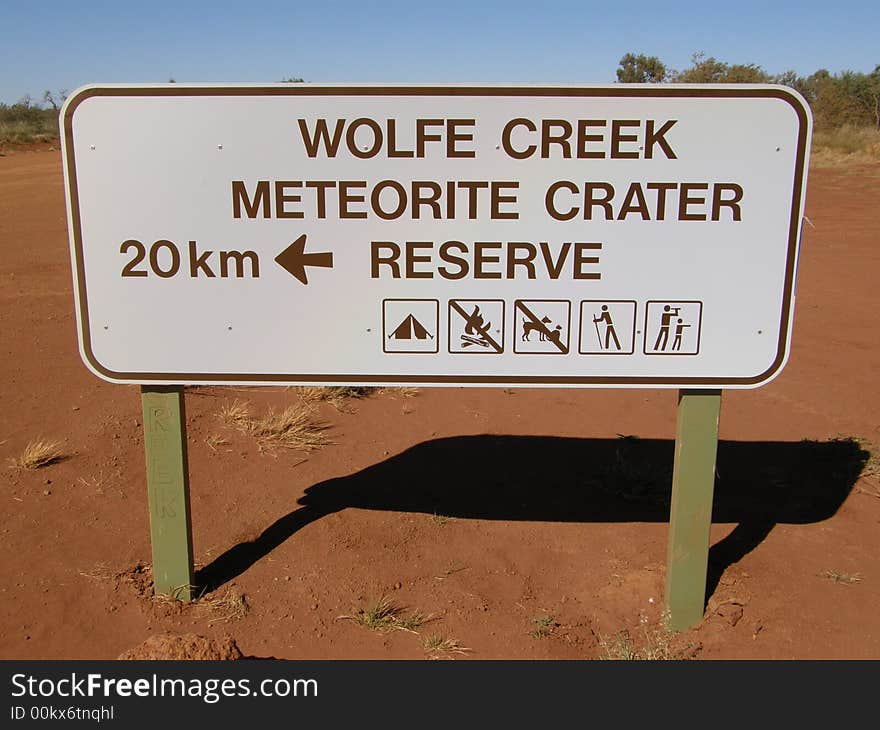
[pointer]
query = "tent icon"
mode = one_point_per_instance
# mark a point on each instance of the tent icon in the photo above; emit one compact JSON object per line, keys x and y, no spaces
{"x":410,"y":329}
{"x":410,"y":325}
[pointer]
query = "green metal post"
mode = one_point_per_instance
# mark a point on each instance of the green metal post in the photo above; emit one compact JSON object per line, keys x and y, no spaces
{"x":168,"y":490}
{"x":693,"y":484}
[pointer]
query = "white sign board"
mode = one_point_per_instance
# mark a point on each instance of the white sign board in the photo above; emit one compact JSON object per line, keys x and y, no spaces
{"x":618,"y":236}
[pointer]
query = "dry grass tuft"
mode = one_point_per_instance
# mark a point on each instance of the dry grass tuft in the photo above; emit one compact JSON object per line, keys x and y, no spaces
{"x":293,"y":428}
{"x":382,"y":614}
{"x":413,"y":621}
{"x":439,"y":520}
{"x":236,"y":415}
{"x":619,"y":647}
{"x":544,"y":626}
{"x":400,"y":391}
{"x":657,"y":644}
{"x":844,"y":578}
{"x":95,"y":484}
{"x":438,"y":647}
{"x":39,"y":453}
{"x":214,"y":441}
{"x":228,"y":607}
{"x":99,"y":572}
{"x":336,"y":396}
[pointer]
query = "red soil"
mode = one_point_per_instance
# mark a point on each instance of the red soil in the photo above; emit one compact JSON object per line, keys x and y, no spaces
{"x":519,"y":519}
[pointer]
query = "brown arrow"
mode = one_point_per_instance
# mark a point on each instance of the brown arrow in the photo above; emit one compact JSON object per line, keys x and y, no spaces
{"x":294,"y":259}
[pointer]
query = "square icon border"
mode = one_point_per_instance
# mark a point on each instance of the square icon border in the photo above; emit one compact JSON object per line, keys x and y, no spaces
{"x":436,"y":349}
{"x":632,"y":350}
{"x":449,"y":327}
{"x":674,"y":354}
{"x":546,"y":301}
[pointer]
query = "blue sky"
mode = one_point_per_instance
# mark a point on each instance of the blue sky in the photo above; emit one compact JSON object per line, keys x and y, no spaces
{"x":55,"y":45}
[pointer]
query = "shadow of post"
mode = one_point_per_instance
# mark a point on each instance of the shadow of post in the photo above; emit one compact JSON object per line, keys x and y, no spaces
{"x":551,"y":479}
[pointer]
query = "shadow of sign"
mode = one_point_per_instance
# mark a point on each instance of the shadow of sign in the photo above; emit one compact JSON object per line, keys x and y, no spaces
{"x":758,"y":485}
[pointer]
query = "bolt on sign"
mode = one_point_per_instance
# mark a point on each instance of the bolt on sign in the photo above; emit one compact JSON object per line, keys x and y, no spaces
{"x":588,"y":236}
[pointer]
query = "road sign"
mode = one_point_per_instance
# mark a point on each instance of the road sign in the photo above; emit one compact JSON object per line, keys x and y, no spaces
{"x":642,"y":235}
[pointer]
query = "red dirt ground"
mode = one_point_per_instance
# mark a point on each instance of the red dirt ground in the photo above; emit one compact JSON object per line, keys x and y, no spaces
{"x":444,"y":501}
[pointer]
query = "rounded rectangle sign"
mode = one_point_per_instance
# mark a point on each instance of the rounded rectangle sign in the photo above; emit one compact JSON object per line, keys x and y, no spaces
{"x":613,"y":236}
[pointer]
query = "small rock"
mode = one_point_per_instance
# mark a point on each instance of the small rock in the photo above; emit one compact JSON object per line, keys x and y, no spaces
{"x":76,"y":408}
{"x":398,"y":586}
{"x":286,"y":577}
{"x":47,"y":492}
{"x":731,"y":612}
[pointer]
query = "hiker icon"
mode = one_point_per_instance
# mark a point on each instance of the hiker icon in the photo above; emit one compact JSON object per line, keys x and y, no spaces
{"x":673,"y":328}
{"x":607,"y":327}
{"x":610,"y":333}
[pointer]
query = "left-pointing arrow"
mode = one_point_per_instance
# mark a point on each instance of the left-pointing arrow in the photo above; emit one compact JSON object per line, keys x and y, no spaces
{"x":294,"y":259}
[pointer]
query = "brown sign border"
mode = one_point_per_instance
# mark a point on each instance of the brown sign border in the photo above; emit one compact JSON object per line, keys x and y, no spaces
{"x":648,"y":91}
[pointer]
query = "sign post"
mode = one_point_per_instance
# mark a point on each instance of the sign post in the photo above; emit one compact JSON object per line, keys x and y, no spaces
{"x":626,"y":236}
{"x":690,"y":518}
{"x":168,"y":490}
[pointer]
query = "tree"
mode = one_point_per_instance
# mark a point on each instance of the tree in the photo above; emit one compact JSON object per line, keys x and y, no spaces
{"x":54,"y":101}
{"x":873,"y":94}
{"x":864,"y":91}
{"x":712,"y":71}
{"x":845,"y":98}
{"x":798,"y":83}
{"x":749,"y":73}
{"x":640,"y":69}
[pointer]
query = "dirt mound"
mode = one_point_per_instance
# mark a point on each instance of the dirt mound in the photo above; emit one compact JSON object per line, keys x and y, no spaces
{"x":187,"y":646}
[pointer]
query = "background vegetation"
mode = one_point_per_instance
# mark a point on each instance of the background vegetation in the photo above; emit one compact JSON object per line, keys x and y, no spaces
{"x":30,"y":121}
{"x":845,"y":98}
{"x":846,"y":105}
